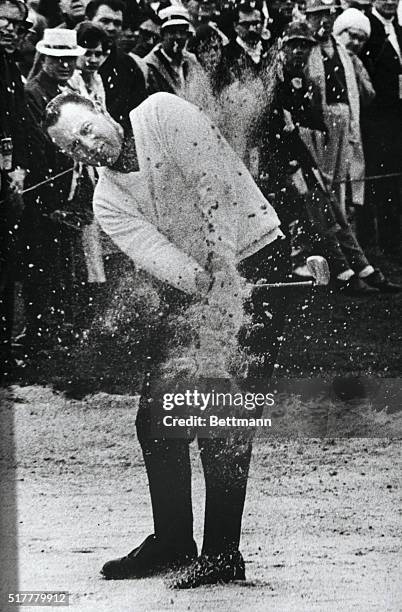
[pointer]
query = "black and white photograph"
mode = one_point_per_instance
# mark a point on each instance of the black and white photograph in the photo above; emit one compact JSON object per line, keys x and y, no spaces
{"x":201,"y":305}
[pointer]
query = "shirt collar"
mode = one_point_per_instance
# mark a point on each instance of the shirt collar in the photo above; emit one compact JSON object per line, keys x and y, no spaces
{"x":127,"y":160}
{"x":169,"y":59}
{"x":254,"y":52}
{"x":385,"y":22}
{"x":49,"y":85}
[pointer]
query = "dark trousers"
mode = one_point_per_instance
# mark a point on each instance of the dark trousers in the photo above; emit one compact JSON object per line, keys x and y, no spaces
{"x":379,"y":220}
{"x":6,"y":320}
{"x":48,"y":279}
{"x":9,"y":235}
{"x":224,"y":463}
{"x":323,"y":225}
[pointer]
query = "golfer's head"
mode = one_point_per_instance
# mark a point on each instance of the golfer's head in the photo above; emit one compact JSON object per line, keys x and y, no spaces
{"x":83,"y":131}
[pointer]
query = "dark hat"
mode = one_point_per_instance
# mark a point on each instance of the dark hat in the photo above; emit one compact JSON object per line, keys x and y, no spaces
{"x":298,"y":30}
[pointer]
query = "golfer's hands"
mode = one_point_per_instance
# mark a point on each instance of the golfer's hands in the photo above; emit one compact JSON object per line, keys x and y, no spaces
{"x":221,"y":320}
{"x":203,"y":283}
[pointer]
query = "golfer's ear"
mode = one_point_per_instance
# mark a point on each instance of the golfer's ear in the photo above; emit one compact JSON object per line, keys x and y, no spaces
{"x":103,"y":110}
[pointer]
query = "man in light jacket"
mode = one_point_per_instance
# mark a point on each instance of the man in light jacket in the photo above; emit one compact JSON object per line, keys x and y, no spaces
{"x":177,"y":200}
{"x":169,"y":66}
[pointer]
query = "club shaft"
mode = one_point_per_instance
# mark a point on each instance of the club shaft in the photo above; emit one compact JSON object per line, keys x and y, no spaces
{"x":309,"y":283}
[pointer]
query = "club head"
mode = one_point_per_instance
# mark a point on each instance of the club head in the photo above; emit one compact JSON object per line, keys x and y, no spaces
{"x":319,"y":269}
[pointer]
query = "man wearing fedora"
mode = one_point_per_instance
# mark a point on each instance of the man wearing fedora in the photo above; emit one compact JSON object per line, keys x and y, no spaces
{"x":169,"y":66}
{"x":48,"y":258}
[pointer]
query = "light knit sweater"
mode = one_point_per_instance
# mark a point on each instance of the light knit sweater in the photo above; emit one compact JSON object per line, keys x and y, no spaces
{"x":192,"y":196}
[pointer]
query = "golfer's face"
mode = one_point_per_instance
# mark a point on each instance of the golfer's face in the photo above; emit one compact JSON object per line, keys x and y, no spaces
{"x":87,"y":136}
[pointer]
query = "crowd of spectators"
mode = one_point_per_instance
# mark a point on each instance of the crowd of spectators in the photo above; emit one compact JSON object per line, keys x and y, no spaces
{"x":308,"y":93}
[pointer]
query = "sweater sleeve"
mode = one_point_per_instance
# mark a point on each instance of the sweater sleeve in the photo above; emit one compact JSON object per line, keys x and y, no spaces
{"x":208,"y":163}
{"x":144,"y":244}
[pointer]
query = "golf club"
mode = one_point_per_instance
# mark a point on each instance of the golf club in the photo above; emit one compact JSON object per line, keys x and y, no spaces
{"x":317,"y":267}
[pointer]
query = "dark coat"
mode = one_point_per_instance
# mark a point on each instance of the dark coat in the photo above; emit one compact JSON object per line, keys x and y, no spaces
{"x":44,"y":158}
{"x":238,"y":65}
{"x":124,"y":85}
{"x":161,"y":76}
{"x":284,"y":147}
{"x":12,"y":125}
{"x":49,"y":257}
{"x":12,"y":108}
{"x":384,"y":67}
{"x":381,"y":121}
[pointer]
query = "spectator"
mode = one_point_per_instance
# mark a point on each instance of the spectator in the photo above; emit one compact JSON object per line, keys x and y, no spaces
{"x":73,"y":12}
{"x":281,"y":14}
{"x":382,"y":125}
{"x":27,"y":44}
{"x":247,"y":55}
{"x":340,"y":153}
{"x":362,"y":5}
{"x":122,"y":78}
{"x":128,"y":38}
{"x":300,"y":192}
{"x":148,"y":37}
{"x":38,"y":20}
{"x":86,"y":78}
{"x":352,"y":30}
{"x":48,"y":280}
{"x":50,"y":9}
{"x":132,"y":18}
{"x":13,"y":14}
{"x":169,"y":65}
{"x":88,"y":83}
{"x":246,"y":81}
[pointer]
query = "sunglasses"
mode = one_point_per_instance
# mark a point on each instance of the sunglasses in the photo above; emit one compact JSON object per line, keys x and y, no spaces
{"x":18,"y":24}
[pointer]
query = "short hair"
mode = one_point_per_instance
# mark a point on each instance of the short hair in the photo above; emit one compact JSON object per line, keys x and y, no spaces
{"x":53,"y":109}
{"x":22,"y":7}
{"x":90,"y":35}
{"x":93,"y":6}
{"x":247,"y":8}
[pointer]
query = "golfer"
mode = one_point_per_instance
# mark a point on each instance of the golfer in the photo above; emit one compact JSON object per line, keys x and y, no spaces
{"x":177,"y":200}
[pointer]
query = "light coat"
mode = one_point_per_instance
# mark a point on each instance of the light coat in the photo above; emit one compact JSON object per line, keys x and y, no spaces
{"x":355,"y":168}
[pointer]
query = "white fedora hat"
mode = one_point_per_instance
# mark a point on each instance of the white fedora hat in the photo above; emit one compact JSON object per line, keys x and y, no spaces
{"x":60,"y":42}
